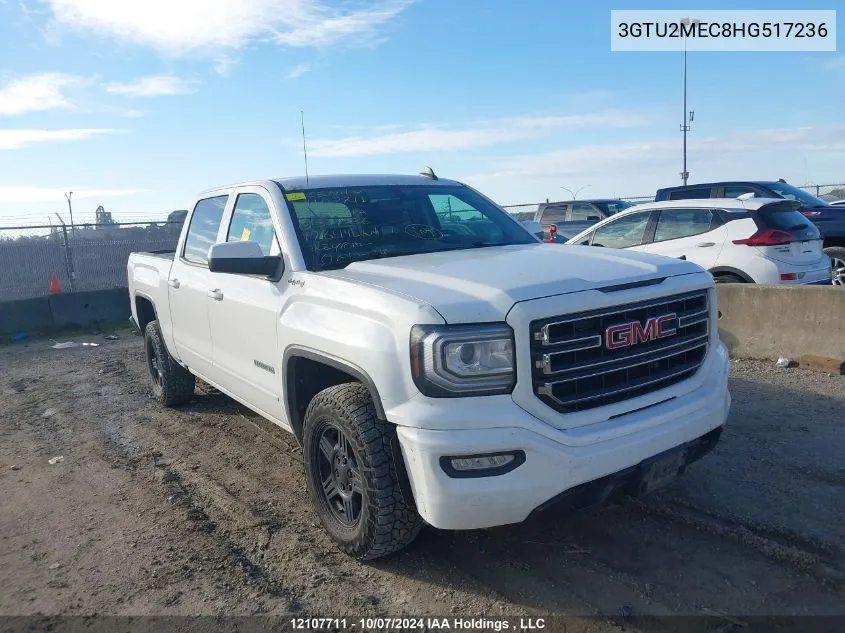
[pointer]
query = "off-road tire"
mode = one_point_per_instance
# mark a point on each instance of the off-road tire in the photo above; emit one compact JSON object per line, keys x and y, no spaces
{"x":388,"y":519}
{"x":171,"y":383}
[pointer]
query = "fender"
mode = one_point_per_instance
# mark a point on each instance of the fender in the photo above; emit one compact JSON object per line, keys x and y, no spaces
{"x":299,"y":351}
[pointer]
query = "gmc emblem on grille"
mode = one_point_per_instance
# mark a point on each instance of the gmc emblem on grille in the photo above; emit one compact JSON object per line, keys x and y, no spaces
{"x":633,"y":333}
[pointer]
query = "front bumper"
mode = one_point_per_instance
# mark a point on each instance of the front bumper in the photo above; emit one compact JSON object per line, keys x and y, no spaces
{"x":556,"y":461}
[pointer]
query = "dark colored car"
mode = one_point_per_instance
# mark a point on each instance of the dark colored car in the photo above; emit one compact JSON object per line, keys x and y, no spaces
{"x":830,"y":219}
{"x":573,"y":216}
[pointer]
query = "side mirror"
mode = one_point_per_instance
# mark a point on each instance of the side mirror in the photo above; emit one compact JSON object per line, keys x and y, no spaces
{"x":243,"y":258}
{"x":533,"y":227}
{"x":593,"y":218}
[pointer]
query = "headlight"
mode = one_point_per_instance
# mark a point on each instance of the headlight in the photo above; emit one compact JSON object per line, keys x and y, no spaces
{"x":463,"y":360}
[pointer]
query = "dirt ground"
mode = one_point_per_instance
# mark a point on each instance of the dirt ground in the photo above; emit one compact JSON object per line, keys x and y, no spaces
{"x":203,"y":510}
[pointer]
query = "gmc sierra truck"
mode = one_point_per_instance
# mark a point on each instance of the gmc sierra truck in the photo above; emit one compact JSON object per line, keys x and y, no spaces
{"x":436,"y":361}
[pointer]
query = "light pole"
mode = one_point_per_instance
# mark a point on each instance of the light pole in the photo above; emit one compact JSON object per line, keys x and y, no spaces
{"x":688,"y":116}
{"x":577,"y":191}
{"x":68,"y":196}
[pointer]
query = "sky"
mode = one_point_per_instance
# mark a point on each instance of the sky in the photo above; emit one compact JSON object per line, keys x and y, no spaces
{"x":137,"y":105}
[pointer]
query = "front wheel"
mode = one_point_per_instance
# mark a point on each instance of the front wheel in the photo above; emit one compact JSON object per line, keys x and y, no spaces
{"x":837,"y":264}
{"x":353,"y":474}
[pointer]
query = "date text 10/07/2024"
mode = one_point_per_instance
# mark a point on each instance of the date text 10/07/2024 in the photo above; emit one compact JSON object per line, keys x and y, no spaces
{"x":409,"y":624}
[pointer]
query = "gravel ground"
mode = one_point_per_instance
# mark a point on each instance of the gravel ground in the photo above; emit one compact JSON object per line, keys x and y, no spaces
{"x":203,"y":510}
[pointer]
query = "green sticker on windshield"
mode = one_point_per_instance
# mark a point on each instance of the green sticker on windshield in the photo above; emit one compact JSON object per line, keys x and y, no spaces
{"x":296,"y":195}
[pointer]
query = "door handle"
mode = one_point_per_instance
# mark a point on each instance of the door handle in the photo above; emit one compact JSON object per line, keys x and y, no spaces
{"x":703,"y":244}
{"x":215,"y":294}
{"x":173,"y":283}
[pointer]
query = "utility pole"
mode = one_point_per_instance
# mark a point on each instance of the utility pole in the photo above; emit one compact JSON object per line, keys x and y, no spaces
{"x":68,"y":196}
{"x":688,"y":116}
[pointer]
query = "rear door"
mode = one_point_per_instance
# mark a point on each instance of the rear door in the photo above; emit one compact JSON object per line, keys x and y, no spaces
{"x":695,"y":234}
{"x":189,"y":283}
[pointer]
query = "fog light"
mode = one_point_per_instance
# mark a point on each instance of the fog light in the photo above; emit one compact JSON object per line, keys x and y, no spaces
{"x":486,"y":465}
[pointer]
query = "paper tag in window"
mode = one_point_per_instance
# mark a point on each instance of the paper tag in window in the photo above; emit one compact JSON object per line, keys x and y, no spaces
{"x":245,"y":235}
{"x":296,"y":195}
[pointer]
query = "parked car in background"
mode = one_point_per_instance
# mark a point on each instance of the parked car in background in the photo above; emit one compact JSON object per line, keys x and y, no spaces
{"x":756,"y":240}
{"x":837,"y":203}
{"x":573,"y":216}
{"x":829,"y":218}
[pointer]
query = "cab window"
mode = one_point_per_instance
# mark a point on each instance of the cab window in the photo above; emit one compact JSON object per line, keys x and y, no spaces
{"x":202,"y":231}
{"x":251,"y":222}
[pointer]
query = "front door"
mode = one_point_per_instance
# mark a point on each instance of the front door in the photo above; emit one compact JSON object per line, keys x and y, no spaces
{"x":245,"y":312}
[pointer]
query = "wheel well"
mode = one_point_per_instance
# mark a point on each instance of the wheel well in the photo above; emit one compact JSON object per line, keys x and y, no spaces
{"x":146,"y":312}
{"x":727,"y":270}
{"x":306,"y":376}
{"x":833,"y":241}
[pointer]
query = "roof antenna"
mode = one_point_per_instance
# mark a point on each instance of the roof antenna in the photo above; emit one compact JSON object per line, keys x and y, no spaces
{"x":304,"y":151}
{"x":428,"y":172}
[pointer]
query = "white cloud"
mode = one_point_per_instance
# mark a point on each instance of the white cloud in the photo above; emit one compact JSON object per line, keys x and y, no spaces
{"x":185,"y":26}
{"x":298,"y":70}
{"x":15,"y":139}
{"x":480,"y":134}
{"x":152,"y":86}
{"x":17,"y":194}
{"x":36,"y":93}
{"x":639,"y":168}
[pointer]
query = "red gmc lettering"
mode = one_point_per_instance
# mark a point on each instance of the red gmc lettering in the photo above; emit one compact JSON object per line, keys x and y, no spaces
{"x":627,"y":334}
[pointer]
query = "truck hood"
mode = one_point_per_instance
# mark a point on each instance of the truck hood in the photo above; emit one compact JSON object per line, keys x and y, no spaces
{"x":483,"y":284}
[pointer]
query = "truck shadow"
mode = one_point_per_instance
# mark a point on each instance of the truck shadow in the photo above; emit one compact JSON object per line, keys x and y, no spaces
{"x":751,"y":529}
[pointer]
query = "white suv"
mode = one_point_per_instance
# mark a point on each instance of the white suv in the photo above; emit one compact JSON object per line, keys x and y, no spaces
{"x":756,"y":240}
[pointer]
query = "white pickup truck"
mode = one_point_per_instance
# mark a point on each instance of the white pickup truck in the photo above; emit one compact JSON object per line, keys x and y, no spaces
{"x":436,"y":362}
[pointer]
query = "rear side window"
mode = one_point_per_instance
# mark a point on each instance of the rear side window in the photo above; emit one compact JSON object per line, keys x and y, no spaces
{"x":677,"y":223}
{"x":782,"y":218}
{"x":735,"y":191}
{"x":582,"y":211}
{"x":687,"y":194}
{"x":202,"y":232}
{"x":552,"y":215}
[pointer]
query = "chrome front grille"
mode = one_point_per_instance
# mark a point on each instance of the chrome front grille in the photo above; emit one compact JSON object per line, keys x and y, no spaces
{"x":574,"y":367}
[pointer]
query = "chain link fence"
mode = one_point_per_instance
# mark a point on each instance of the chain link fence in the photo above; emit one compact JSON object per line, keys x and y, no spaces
{"x":79,"y":258}
{"x":825,"y":192}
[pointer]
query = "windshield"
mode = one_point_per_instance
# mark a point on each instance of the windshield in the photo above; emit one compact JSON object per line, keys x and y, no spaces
{"x":614,"y":206}
{"x":340,"y":226}
{"x":789,"y":192}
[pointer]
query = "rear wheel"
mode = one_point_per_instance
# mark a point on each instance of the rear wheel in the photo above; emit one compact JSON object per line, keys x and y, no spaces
{"x":353,"y":474}
{"x":172,"y":384}
{"x":728,"y":278}
{"x":837,"y":263}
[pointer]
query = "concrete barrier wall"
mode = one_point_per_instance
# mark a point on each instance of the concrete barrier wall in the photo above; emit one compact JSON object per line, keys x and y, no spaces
{"x":78,"y":309}
{"x":756,"y":321}
{"x":774,"y":321}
